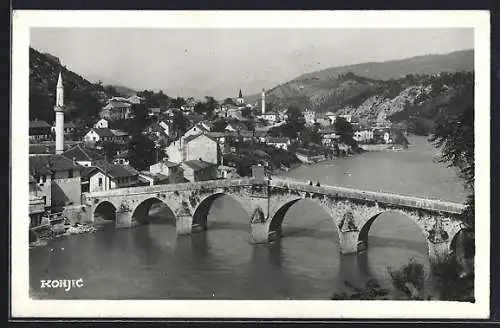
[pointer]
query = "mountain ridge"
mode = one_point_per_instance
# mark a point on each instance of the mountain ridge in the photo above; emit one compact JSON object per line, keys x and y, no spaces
{"x":461,"y":60}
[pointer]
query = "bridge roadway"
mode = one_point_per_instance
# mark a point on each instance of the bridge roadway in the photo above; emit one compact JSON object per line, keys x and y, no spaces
{"x":298,"y":185}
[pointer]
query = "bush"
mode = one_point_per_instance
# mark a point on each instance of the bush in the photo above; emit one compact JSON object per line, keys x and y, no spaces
{"x":412,"y":272}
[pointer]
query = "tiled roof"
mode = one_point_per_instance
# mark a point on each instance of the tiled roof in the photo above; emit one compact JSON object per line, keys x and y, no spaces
{"x":70,"y":125}
{"x":39,"y":124}
{"x":198,"y":165}
{"x":114,"y":170}
{"x":87,"y":172}
{"x":119,"y":133}
{"x":157,"y":177}
{"x":277,"y":140}
{"x":117,"y":104}
{"x":47,"y":163}
{"x":42,"y":149}
{"x":103,"y":132}
{"x":80,"y":153}
{"x":170,"y":164}
{"x":216,"y":134}
{"x":192,"y":137}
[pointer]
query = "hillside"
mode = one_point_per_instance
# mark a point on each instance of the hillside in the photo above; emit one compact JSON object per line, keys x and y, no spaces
{"x":83,"y":99}
{"x":320,"y":90}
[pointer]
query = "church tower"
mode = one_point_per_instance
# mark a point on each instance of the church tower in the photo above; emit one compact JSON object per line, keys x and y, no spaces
{"x":59,"y":109}
{"x":240,"y":100}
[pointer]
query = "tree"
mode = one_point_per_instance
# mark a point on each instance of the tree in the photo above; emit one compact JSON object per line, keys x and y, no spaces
{"x":246,"y":112}
{"x":140,"y":112}
{"x":295,"y":122}
{"x":228,"y":101}
{"x":211,"y":105}
{"x":455,"y":137}
{"x":200,"y":108}
{"x":219,"y":125}
{"x":180,"y":122}
{"x":141,"y":151}
{"x":109,"y":149}
{"x":178,"y":102}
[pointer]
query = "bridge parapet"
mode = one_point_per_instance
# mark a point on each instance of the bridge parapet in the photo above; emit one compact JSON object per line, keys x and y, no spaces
{"x":174,"y":187}
{"x":375,"y":196}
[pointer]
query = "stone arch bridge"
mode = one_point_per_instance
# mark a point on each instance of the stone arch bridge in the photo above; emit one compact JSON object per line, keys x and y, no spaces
{"x":266,"y":202}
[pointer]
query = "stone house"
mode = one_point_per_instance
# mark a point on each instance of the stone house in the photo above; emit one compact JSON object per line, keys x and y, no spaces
{"x":58,"y":178}
{"x":306,"y":156}
{"x":192,"y":147}
{"x":201,"y":147}
{"x":116,"y":110}
{"x":105,"y":176}
{"x":36,"y":203}
{"x":198,"y":170}
{"x":39,"y":130}
{"x":166,"y":168}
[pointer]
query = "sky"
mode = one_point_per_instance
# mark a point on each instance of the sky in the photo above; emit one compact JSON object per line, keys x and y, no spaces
{"x":222,"y":61}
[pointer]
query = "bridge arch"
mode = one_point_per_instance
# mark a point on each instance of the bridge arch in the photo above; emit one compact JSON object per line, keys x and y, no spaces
{"x":203,"y":206}
{"x":366,"y":226}
{"x":105,"y":210}
{"x":141,"y":212}
{"x":277,"y":218}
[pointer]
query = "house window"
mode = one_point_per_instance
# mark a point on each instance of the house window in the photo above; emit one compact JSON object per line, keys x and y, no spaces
{"x":44,"y":178}
{"x":70,"y":173}
{"x":45,"y":200}
{"x":100,"y":182}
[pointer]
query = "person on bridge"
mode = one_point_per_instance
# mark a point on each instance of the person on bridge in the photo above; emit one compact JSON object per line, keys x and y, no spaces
{"x":317,"y":184}
{"x":310,"y":182}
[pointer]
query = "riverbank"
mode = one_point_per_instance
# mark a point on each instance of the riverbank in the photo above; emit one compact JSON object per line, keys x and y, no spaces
{"x":60,"y":230}
{"x":381,"y":147}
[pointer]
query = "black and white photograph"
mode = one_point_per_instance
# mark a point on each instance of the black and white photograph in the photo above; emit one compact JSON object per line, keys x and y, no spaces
{"x":238,"y":156}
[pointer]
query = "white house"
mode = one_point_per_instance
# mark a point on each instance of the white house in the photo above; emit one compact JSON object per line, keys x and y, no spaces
{"x":102,"y":124}
{"x":279,"y":142}
{"x":98,"y":134}
{"x":167,"y":128}
{"x":310,"y":117}
{"x":105,"y":176}
{"x":201,"y":147}
{"x":271,"y":117}
{"x":323,"y":120}
{"x":165,"y":167}
{"x":363,"y":135}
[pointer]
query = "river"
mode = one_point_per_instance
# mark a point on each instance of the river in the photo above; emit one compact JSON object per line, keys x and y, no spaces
{"x":151,"y":262}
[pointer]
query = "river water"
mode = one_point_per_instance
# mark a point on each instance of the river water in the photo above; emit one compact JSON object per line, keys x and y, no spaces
{"x":151,"y":262}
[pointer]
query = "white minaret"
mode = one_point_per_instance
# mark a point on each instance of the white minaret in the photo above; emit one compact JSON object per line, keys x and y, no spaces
{"x":59,"y":109}
{"x":263,"y":101}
